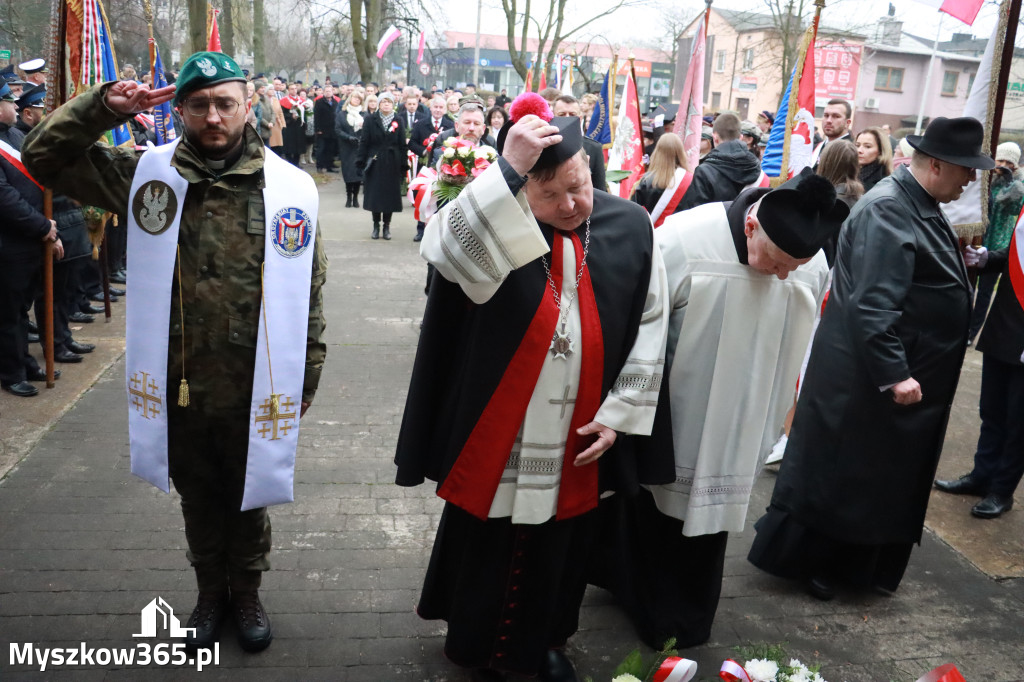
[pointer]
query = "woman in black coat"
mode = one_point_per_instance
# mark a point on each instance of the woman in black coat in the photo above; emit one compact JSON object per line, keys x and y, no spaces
{"x":382,"y":156}
{"x":348,"y":126}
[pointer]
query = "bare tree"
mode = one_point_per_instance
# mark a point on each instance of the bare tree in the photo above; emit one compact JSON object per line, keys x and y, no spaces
{"x":551,"y":29}
{"x":227,"y":27}
{"x":259,"y":28}
{"x":197,"y":24}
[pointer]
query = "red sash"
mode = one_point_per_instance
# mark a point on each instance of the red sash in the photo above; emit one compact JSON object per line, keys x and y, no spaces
{"x":474,"y":478}
{"x":677,"y":196}
{"x":13,"y":157}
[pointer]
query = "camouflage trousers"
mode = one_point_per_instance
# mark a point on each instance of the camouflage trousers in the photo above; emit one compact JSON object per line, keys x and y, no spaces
{"x":207,"y":455}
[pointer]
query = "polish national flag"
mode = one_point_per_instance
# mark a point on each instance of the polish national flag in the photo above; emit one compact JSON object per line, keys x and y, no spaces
{"x":390,"y":36}
{"x":964,"y":10}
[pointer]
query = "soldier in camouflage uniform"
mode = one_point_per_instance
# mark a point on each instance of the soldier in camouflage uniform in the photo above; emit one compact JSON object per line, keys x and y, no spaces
{"x":221,"y":244}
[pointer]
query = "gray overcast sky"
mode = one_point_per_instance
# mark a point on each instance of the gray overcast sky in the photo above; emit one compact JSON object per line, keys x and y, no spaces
{"x":918,"y":19}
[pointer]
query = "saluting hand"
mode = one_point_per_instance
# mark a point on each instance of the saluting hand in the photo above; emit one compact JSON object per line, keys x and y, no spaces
{"x":605,"y":439}
{"x":128,"y":98}
{"x":530,"y":136}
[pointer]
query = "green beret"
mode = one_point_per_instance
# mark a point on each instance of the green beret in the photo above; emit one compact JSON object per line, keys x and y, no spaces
{"x":204,"y":69}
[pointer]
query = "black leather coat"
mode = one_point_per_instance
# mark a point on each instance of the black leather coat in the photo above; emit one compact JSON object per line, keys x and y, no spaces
{"x":858,"y":466}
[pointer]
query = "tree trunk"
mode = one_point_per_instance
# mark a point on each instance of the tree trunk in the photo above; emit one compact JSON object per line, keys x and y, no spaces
{"x":197,"y":24}
{"x":259,"y":56}
{"x":227,"y":29}
{"x":363,"y":38}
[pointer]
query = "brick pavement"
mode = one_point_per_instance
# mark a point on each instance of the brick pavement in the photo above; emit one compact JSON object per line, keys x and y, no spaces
{"x":84,"y":546}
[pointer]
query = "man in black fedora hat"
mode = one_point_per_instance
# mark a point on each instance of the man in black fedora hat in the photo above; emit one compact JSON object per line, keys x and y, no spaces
{"x":852,"y":492}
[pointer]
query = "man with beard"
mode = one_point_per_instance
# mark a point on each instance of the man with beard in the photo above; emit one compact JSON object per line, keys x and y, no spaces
{"x":835,"y":124}
{"x":226,"y":271}
{"x":851,"y":496}
{"x":726,"y":171}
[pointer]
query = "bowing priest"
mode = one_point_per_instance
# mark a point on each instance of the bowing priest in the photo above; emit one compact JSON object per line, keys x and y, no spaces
{"x":744,"y":279}
{"x":224,"y":321}
{"x":543,"y":338}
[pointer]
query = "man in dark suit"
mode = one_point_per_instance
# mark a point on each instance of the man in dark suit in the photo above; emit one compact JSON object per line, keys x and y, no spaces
{"x":567,"y":105}
{"x":434,"y":124}
{"x":410,"y":113}
{"x":999,"y":459}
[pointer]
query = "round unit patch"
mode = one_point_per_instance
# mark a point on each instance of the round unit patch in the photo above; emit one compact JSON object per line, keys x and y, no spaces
{"x":154,"y":206}
{"x":291,"y":232}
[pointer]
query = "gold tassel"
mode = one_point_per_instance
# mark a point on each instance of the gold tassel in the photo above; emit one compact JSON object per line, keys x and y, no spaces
{"x":275,"y":406}
{"x":183,"y":393}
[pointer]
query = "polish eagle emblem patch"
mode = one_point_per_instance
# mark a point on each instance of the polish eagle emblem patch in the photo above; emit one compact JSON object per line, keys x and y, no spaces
{"x":291,"y":232}
{"x":154,"y":206}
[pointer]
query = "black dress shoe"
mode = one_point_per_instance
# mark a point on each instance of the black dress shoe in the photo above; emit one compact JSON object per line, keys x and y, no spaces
{"x":33,"y":338}
{"x":92,"y":309}
{"x":99,"y":298}
{"x":80,"y":348}
{"x":557,"y":668}
{"x":64,"y":355}
{"x":81,"y":318}
{"x":253,"y":625}
{"x":992,"y":506}
{"x":965,"y":485}
{"x":821,"y":588}
{"x":118,"y":278}
{"x":206,"y":618}
{"x":40,"y":375}
{"x":32,"y":328}
{"x":22,"y":389}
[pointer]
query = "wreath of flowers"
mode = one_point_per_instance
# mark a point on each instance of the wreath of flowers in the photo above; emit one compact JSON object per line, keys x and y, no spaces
{"x":460,"y":162}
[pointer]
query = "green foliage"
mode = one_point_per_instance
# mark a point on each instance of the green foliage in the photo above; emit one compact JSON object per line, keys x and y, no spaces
{"x":447,"y":192}
{"x":617,"y":175}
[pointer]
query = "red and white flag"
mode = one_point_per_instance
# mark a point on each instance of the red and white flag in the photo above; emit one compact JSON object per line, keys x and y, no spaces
{"x":688,"y":126}
{"x":801,"y":135}
{"x":628,"y":148}
{"x":1017,"y":262}
{"x":964,"y":10}
{"x":423,"y":42}
{"x":213,"y":44}
{"x":390,"y":36}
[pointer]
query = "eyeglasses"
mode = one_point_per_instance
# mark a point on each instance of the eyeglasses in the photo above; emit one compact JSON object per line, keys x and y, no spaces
{"x":226,"y":108}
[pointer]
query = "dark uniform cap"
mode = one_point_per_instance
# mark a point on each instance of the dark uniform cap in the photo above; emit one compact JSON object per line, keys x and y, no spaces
{"x":33,"y":97}
{"x":6,"y":95}
{"x":802,"y":214}
{"x":568,"y":127}
{"x":204,"y":69}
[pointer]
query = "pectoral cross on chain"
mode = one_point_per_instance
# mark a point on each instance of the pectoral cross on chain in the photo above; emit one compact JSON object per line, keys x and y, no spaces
{"x":566,"y":400}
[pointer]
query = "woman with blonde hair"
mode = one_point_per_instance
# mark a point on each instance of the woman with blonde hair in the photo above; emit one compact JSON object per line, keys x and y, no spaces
{"x":874,"y":154}
{"x":372,"y":104}
{"x":666,"y":180}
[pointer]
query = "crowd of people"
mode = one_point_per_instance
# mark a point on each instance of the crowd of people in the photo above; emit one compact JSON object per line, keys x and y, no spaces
{"x":598,"y":381}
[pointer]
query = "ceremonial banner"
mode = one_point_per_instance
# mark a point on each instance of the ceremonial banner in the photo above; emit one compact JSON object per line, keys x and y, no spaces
{"x":162,"y":119}
{"x":390,"y":36}
{"x":600,"y":127}
{"x":423,"y":42}
{"x":1016,"y":256}
{"x":566,"y":85}
{"x":791,"y":142}
{"x":688,"y":126}
{"x":543,"y":82}
{"x":627,"y":153}
{"x":213,"y":44}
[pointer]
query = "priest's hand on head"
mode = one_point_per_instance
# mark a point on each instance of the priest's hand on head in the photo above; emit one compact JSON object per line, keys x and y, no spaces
{"x":127,"y":98}
{"x":526,"y":140}
{"x":907,"y":392}
{"x":605,"y":439}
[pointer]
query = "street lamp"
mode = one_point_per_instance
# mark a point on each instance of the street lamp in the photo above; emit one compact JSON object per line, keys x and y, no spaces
{"x":413,"y":25}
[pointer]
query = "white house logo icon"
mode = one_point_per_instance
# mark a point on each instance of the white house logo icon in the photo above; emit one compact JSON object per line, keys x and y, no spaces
{"x":159,"y":608}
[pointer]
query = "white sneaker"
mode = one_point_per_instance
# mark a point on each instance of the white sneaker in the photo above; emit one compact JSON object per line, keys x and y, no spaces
{"x":778,"y":450}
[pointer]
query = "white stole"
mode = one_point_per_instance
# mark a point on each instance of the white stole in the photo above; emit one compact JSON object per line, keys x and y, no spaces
{"x":291,"y":202}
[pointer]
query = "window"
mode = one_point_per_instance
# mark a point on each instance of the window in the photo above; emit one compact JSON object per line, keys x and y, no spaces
{"x":949,"y":81}
{"x":716,"y":100}
{"x":720,"y":61}
{"x":748,"y":59}
{"x":889,"y":78}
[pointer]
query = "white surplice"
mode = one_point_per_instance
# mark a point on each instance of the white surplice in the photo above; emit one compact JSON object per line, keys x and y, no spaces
{"x":739,"y":340}
{"x":476,"y":241}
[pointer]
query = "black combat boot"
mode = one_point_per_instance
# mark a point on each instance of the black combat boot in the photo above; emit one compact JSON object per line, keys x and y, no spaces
{"x":206,"y":618}
{"x":254,"y":632}
{"x":376,"y":231}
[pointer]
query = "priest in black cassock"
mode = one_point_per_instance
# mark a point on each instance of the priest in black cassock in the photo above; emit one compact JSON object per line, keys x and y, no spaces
{"x":543,"y":337}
